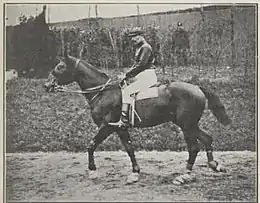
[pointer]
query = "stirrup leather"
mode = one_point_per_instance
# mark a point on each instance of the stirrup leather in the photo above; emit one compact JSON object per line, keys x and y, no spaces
{"x":124,"y":120}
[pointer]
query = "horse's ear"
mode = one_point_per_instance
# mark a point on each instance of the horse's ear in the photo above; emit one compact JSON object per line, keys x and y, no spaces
{"x":58,"y":58}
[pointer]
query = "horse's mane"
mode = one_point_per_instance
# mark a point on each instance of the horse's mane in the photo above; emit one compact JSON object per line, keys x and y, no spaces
{"x":94,"y":68}
{"x":90,"y":66}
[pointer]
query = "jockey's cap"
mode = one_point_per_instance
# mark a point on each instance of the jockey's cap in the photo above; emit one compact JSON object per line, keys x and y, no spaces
{"x":179,"y":23}
{"x":135,"y":31}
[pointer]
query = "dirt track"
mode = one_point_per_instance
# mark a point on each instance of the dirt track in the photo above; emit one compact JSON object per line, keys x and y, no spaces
{"x":63,"y":176}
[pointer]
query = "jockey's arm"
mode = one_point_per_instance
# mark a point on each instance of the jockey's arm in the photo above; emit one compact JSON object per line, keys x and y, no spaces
{"x":140,"y":64}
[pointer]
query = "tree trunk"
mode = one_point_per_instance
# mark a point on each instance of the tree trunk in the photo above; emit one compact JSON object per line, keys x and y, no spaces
{"x":203,"y":36}
{"x":246,"y":65}
{"x":215,"y":66}
{"x":162,"y":63}
{"x":121,"y":52}
{"x":215,"y":70}
{"x":232,"y":38}
{"x":138,"y":14}
{"x":161,"y":58}
{"x":62,"y":42}
{"x":106,"y":64}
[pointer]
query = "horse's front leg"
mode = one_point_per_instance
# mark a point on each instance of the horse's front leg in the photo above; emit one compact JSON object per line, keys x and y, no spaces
{"x":126,"y":141}
{"x":102,"y":134}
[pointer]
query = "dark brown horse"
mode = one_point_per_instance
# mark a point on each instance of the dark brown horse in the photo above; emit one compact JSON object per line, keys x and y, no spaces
{"x":178,"y":102}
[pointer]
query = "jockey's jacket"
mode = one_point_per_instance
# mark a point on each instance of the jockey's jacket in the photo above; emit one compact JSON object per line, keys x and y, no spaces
{"x":144,"y":59}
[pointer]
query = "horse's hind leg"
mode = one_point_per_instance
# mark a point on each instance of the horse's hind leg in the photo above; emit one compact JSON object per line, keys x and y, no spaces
{"x":126,"y":141}
{"x":190,"y":136}
{"x":187,"y":119}
{"x":207,"y":140}
{"x":102,"y":134}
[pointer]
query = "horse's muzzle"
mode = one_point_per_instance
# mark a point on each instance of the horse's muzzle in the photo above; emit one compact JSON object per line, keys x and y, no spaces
{"x":51,"y":83}
{"x":49,"y":86}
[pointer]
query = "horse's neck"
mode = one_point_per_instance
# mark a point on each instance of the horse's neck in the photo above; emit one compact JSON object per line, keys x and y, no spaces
{"x":88,"y":77}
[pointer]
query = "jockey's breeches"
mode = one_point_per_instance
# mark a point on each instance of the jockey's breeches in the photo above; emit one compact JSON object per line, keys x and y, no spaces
{"x":144,"y":80}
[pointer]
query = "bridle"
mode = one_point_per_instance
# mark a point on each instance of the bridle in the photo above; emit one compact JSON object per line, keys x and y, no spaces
{"x":96,"y":89}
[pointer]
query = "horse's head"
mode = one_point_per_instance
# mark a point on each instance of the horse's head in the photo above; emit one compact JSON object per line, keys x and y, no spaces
{"x":62,"y":73}
{"x":71,"y":69}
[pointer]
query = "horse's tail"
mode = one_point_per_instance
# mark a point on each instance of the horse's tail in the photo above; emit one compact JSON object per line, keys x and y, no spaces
{"x":216,"y":107}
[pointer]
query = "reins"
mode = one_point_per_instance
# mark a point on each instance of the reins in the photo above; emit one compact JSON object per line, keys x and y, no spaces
{"x":96,"y":89}
{"x":86,"y":91}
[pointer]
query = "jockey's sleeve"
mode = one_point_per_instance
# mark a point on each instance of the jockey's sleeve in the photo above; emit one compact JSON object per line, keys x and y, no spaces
{"x":141,"y":62}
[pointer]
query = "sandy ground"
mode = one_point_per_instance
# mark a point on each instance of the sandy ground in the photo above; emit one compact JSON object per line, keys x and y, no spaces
{"x":64,"y":176}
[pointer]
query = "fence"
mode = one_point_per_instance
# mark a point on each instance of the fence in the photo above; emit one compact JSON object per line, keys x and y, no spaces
{"x":219,"y":36}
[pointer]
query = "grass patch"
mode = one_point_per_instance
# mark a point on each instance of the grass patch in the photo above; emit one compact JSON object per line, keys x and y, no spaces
{"x":40,"y":121}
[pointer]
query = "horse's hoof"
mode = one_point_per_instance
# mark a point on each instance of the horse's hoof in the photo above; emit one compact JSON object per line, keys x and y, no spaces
{"x":175,"y":182}
{"x":221,"y":169}
{"x":188,"y":178}
{"x":132,"y":178}
{"x":213,"y":165}
{"x":179,"y":180}
{"x":185,"y":178}
{"x":93,"y":175}
{"x":217,"y":167}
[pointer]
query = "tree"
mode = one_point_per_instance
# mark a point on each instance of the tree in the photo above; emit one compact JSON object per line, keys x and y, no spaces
{"x":22,"y":19}
{"x":213,"y":40}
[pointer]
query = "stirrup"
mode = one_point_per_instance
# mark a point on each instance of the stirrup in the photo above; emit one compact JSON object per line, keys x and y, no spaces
{"x":120,"y":124}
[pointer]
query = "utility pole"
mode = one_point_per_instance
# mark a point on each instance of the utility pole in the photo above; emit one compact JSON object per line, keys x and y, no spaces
{"x":89,"y":8}
{"x":233,"y":51}
{"x":96,"y":9}
{"x":48,"y":14}
{"x":201,"y":57}
{"x":36,"y":9}
{"x":138,"y":14}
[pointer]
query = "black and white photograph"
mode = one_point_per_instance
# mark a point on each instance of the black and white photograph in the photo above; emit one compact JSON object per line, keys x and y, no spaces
{"x":137,"y":102}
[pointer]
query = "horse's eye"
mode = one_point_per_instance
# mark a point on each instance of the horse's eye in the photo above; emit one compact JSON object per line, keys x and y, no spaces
{"x":59,"y":68}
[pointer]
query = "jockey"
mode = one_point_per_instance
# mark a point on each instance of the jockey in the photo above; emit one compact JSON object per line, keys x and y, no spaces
{"x":142,"y":72}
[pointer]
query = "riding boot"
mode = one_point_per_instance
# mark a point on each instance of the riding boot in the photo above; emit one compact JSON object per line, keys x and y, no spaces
{"x":124,"y":120}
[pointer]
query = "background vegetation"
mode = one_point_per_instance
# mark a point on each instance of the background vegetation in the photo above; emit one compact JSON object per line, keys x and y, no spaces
{"x":38,"y":121}
{"x":219,"y":36}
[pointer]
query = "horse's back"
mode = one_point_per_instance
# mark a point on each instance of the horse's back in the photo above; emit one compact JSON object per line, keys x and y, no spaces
{"x":174,"y":99}
{"x":186,"y":90}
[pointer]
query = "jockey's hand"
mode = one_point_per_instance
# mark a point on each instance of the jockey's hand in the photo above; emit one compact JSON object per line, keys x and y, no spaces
{"x":128,"y":74}
{"x":122,"y":82}
{"x":121,"y":76}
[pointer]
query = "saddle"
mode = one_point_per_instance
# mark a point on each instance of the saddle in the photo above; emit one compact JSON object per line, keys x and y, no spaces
{"x":148,"y":93}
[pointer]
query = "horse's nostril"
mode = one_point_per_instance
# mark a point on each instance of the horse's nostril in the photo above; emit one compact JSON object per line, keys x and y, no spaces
{"x":45,"y":86}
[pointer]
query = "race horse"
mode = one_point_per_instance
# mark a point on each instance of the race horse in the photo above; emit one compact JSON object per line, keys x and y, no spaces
{"x":177,"y":102}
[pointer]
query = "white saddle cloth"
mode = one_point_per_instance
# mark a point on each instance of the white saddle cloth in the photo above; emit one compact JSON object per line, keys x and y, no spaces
{"x":148,"y":93}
